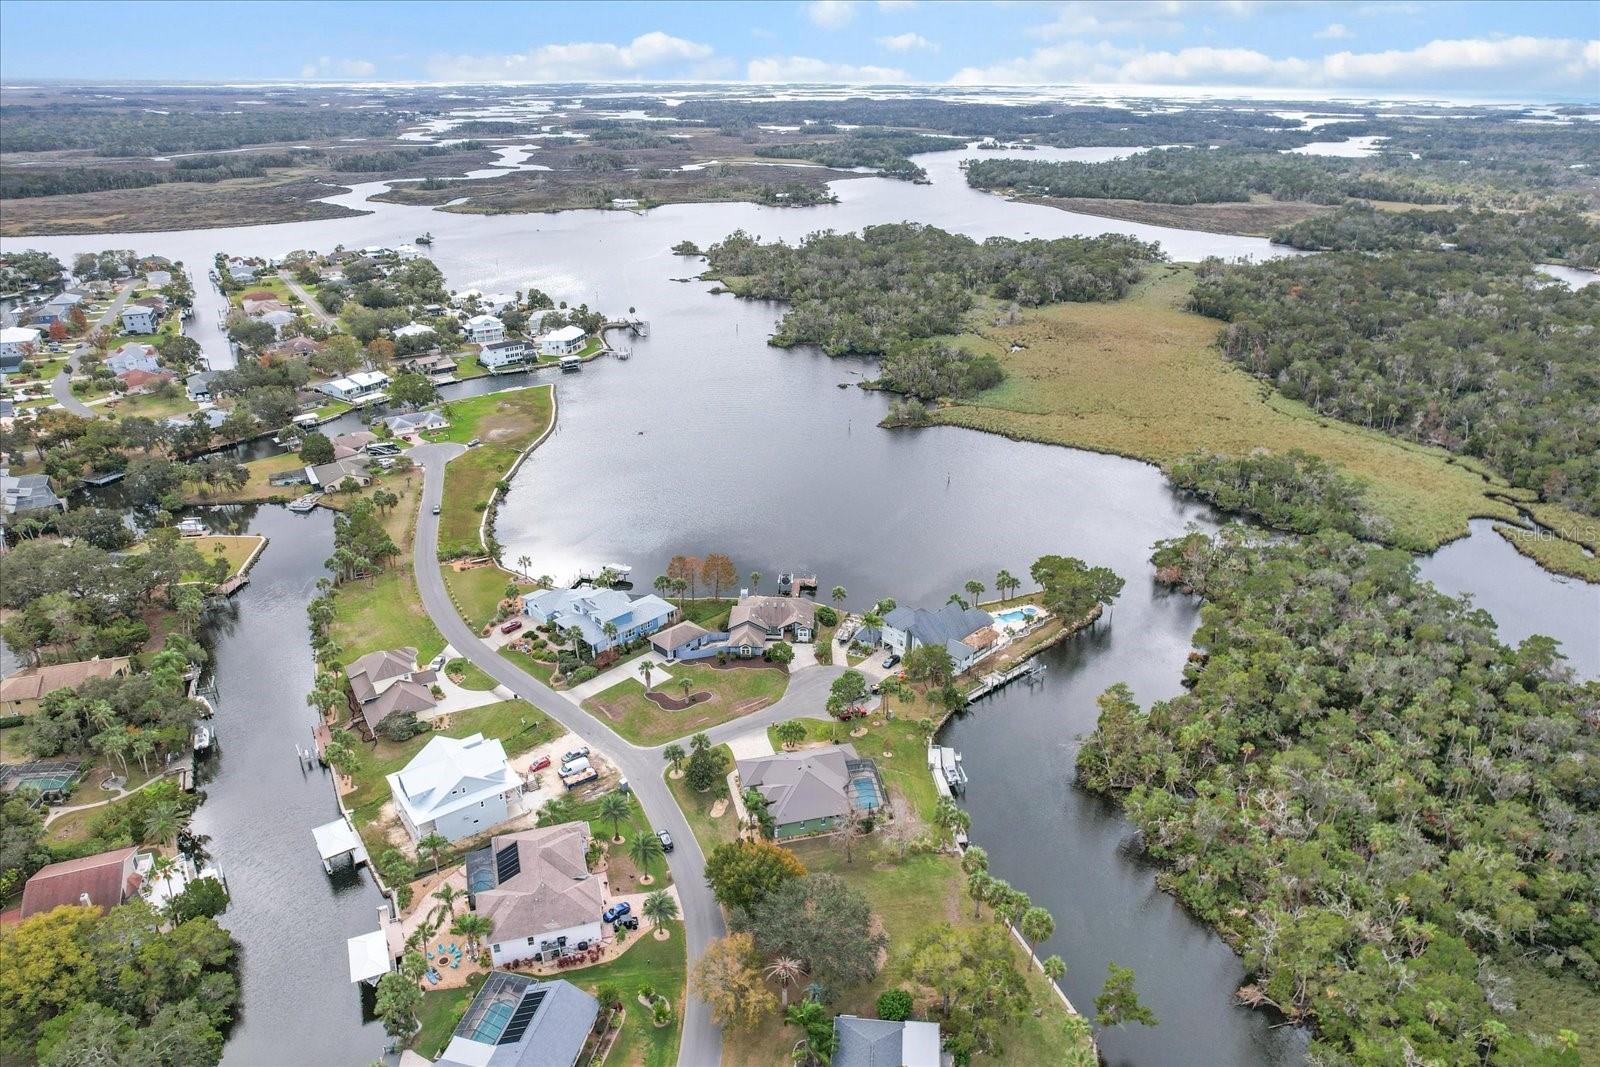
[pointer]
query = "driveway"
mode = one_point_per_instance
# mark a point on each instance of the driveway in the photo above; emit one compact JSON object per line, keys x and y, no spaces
{"x":702,"y":1039}
{"x":313,"y":308}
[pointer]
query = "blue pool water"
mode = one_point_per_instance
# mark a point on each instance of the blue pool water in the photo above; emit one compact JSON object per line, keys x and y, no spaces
{"x":1016,"y":615}
{"x":866,"y":791}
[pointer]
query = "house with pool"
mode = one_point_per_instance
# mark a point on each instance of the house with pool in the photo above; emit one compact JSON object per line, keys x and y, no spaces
{"x":813,"y":792}
{"x":968,"y":634}
{"x":606,"y":618}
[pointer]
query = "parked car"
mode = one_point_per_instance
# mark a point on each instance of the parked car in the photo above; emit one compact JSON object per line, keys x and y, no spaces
{"x":576,"y":766}
{"x":666,"y":840}
{"x":474,"y":443}
{"x":575,"y":754}
{"x":630,"y":922}
{"x":436,"y":509}
{"x":616,"y":911}
{"x":891,"y":662}
{"x":511,"y":627}
{"x":540,"y":764}
{"x":437,"y":663}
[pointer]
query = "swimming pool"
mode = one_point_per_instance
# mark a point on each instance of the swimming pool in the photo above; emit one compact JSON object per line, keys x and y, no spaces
{"x":1016,"y":616}
{"x":866,"y":793}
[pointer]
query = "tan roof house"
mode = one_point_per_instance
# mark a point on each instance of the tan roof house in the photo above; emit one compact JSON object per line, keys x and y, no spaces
{"x":385,"y":682}
{"x":536,"y":887}
{"x":812,"y":791}
{"x":20,"y":694}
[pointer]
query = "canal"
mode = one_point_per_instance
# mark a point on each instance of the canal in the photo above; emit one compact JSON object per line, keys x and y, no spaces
{"x":709,"y":440}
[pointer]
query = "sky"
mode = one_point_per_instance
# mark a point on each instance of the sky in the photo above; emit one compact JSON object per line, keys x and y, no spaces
{"x":1517,"y":50}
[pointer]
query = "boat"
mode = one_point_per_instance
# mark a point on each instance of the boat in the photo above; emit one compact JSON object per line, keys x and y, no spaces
{"x":192,"y":527}
{"x":202,"y":737}
{"x":304,"y":503}
{"x":621,"y":570}
{"x":571,"y":362}
{"x":946,"y":762}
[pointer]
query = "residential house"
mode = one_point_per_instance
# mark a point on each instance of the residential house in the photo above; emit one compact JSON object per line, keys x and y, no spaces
{"x":277,"y":318}
{"x":133,"y":356}
{"x":327,"y":477}
{"x":756,"y":621}
{"x":968,"y":634}
{"x":240,"y":271}
{"x":143,"y":316}
{"x":142,"y":381}
{"x":362,"y":387}
{"x":296,"y":347}
{"x":518,"y":1021}
{"x":415,"y":329}
{"x":25,"y":494}
{"x":103,"y":881}
{"x":415,"y":422}
{"x":498,"y":357}
{"x":814,"y":790}
{"x":592,"y":611}
{"x":21,"y":693}
{"x":197,"y":386}
{"x":158,"y":279}
{"x":434,"y":364}
{"x":496,"y":303}
{"x":17,"y":343}
{"x":562,"y":342}
{"x":683,"y":640}
{"x":536,"y":888}
{"x":455,"y":786}
{"x":260,"y":302}
{"x":387,"y":682}
{"x":354,"y":443}
{"x":485,"y":329}
{"x":880,"y":1043}
{"x":57,"y":309}
{"x":212,"y":417}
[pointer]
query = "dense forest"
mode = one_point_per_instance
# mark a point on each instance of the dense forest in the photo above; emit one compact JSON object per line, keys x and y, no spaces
{"x":1381,"y":806}
{"x":108,"y":131}
{"x":1478,"y":355}
{"x":885,"y":150}
{"x":895,"y":283}
{"x":1544,"y":234}
{"x":1292,"y":491}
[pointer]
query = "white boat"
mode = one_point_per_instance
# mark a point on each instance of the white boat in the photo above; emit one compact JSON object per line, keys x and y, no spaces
{"x":305,"y":503}
{"x":621,"y":570}
{"x":192,"y":527}
{"x":948,"y":764}
{"x":202,"y":737}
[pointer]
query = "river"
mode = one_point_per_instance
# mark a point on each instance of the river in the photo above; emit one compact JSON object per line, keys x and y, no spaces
{"x":710,"y":440}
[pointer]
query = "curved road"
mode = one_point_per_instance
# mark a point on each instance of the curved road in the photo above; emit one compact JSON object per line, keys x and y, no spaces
{"x":61,"y":384}
{"x":643,"y":767}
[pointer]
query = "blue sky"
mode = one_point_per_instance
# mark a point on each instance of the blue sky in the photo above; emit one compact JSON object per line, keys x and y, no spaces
{"x":1519,"y":50}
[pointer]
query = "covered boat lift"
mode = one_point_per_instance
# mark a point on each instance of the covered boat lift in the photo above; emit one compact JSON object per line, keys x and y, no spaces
{"x":338,"y":838}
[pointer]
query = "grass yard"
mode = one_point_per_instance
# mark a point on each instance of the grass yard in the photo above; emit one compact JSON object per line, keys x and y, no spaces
{"x":235,"y":548}
{"x":622,"y":873}
{"x":153,"y":406}
{"x":479,"y":590}
{"x":542,"y":671}
{"x":385,"y":611}
{"x":440,"y":1011}
{"x":735,"y":692}
{"x":258,"y":488}
{"x":507,"y":423}
{"x":706,"y":611}
{"x":468,"y":675}
{"x":710,"y":832}
{"x":1142,"y":377}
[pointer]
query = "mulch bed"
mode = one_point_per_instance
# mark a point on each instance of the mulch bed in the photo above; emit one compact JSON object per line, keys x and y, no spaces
{"x":666,"y":703}
{"x":737,"y":662}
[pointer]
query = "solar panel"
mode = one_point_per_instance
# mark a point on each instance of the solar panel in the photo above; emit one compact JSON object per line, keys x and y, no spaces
{"x":522,"y":1018}
{"x":507,"y":864}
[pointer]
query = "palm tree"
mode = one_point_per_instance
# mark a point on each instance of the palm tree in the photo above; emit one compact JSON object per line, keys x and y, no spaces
{"x":700,"y":742}
{"x":615,"y":806}
{"x":838,"y":594}
{"x":433,"y":844}
{"x":474,"y":927}
{"x":446,"y":895}
{"x":755,"y":581}
{"x":1003,"y":582}
{"x":557,"y":809}
{"x":955,"y":598}
{"x":1037,"y":926}
{"x":663,"y":584}
{"x":975,"y":858}
{"x":645,"y":668}
{"x":524,"y":564}
{"x":161,"y":826}
{"x":785,"y":970}
{"x":950,"y":819}
{"x":790,"y":733}
{"x":683,"y":683}
{"x":675,"y":755}
{"x":819,"y":1043}
{"x":974,"y":589}
{"x":659,"y":908}
{"x":1055,"y":968}
{"x":979,"y":885}
{"x":645,"y":849}
{"x":162,"y":867}
{"x":610,"y":630}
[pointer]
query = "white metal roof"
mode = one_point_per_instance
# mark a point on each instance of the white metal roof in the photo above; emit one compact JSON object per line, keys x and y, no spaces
{"x":369,"y":956}
{"x":335,"y":839}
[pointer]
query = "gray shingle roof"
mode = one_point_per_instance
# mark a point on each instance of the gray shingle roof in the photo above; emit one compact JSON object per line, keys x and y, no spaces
{"x":798,"y":786}
{"x":881,"y":1043}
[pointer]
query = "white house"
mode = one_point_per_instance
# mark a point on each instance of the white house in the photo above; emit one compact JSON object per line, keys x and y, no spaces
{"x":500,"y":356}
{"x":485,"y":329}
{"x":562,"y":342}
{"x":17,"y":343}
{"x":362,"y":387}
{"x":968,"y":634}
{"x":415,"y":329}
{"x":496,"y":303}
{"x":455,"y":787}
{"x":140,"y":318}
{"x":536,"y":888}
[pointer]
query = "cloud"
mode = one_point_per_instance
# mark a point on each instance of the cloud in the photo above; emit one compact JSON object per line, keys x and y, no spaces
{"x":831,"y":14}
{"x":1082,"y":18}
{"x":1333,"y":31}
{"x":908,"y":42}
{"x":806,"y":69}
{"x":1475,"y":63}
{"x":656,"y":54}
{"x":326,"y":67}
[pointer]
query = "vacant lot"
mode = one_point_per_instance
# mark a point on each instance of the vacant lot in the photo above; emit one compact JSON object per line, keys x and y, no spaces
{"x":735,"y":691}
{"x":506,"y":423}
{"x":1141,"y":378}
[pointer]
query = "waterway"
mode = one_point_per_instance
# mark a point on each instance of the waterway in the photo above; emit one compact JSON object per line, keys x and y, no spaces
{"x":710,"y":440}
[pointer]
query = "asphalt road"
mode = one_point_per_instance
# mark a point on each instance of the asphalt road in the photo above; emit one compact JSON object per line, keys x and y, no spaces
{"x":643,"y":767}
{"x":61,"y":384}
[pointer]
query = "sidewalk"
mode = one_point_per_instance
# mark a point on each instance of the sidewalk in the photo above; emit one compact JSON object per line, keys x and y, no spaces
{"x":621,"y":673}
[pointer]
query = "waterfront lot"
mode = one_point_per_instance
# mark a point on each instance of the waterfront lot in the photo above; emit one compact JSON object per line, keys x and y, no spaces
{"x":506,"y":424}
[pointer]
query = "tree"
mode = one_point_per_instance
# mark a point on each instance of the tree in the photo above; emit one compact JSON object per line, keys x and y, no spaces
{"x":790,"y":733}
{"x":201,"y":898}
{"x":820,"y":919}
{"x":474,"y":927}
{"x":848,"y":690}
{"x":616,"y":807}
{"x":663,"y":585}
{"x":1055,"y":968}
{"x":412,"y":390}
{"x":1118,"y":1003}
{"x":974,"y":589}
{"x":674,"y":755}
{"x":645,"y":850}
{"x":931,"y":664}
{"x":1037,"y":925}
{"x":1005,"y":584}
{"x":446,"y":895}
{"x":755,"y":581}
{"x":717,"y":571}
{"x":1070,"y":588}
{"x":972,"y":973}
{"x":316,"y":449}
{"x":659,"y":907}
{"x":432,"y":844}
{"x":786,"y":971}
{"x":21,"y":843}
{"x":742,"y":873}
{"x":839,"y":595}
{"x":706,"y":766}
{"x":396,"y":1004}
{"x":950,"y":819}
{"x":45,"y":969}
{"x":894,"y":1005}
{"x":727,"y":978}
{"x":781,"y":653}
{"x":820,"y":1043}
{"x":380,"y":352}
{"x":684,"y":569}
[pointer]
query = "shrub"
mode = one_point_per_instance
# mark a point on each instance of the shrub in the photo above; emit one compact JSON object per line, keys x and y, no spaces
{"x":827,"y":616}
{"x":583,"y":674}
{"x":894,"y":1005}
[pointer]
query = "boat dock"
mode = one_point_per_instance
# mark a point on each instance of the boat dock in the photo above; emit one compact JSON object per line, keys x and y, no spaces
{"x":949,"y":776}
{"x":232,"y":585}
{"x":1030,"y":670}
{"x":336,"y":840}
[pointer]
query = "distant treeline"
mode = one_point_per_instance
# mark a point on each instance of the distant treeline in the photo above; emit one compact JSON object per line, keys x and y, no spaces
{"x":885,"y":150}
{"x":1543,"y":234}
{"x":146,"y":131}
{"x":902,"y":282}
{"x":1477,"y":354}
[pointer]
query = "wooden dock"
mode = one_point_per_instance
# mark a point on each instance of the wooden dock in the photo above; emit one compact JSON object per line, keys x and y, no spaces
{"x":1030,"y":669}
{"x":232,"y":585}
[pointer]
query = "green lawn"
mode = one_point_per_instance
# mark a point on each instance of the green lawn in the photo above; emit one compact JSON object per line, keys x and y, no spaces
{"x":542,"y":671}
{"x":468,"y":675}
{"x":153,"y":406}
{"x":478,"y":592}
{"x":506,"y":424}
{"x":696,"y":808}
{"x":258,"y":487}
{"x":236,"y":548}
{"x":621,"y":872}
{"x":384,"y":611}
{"x":735,"y":692}
{"x":332,"y":408}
